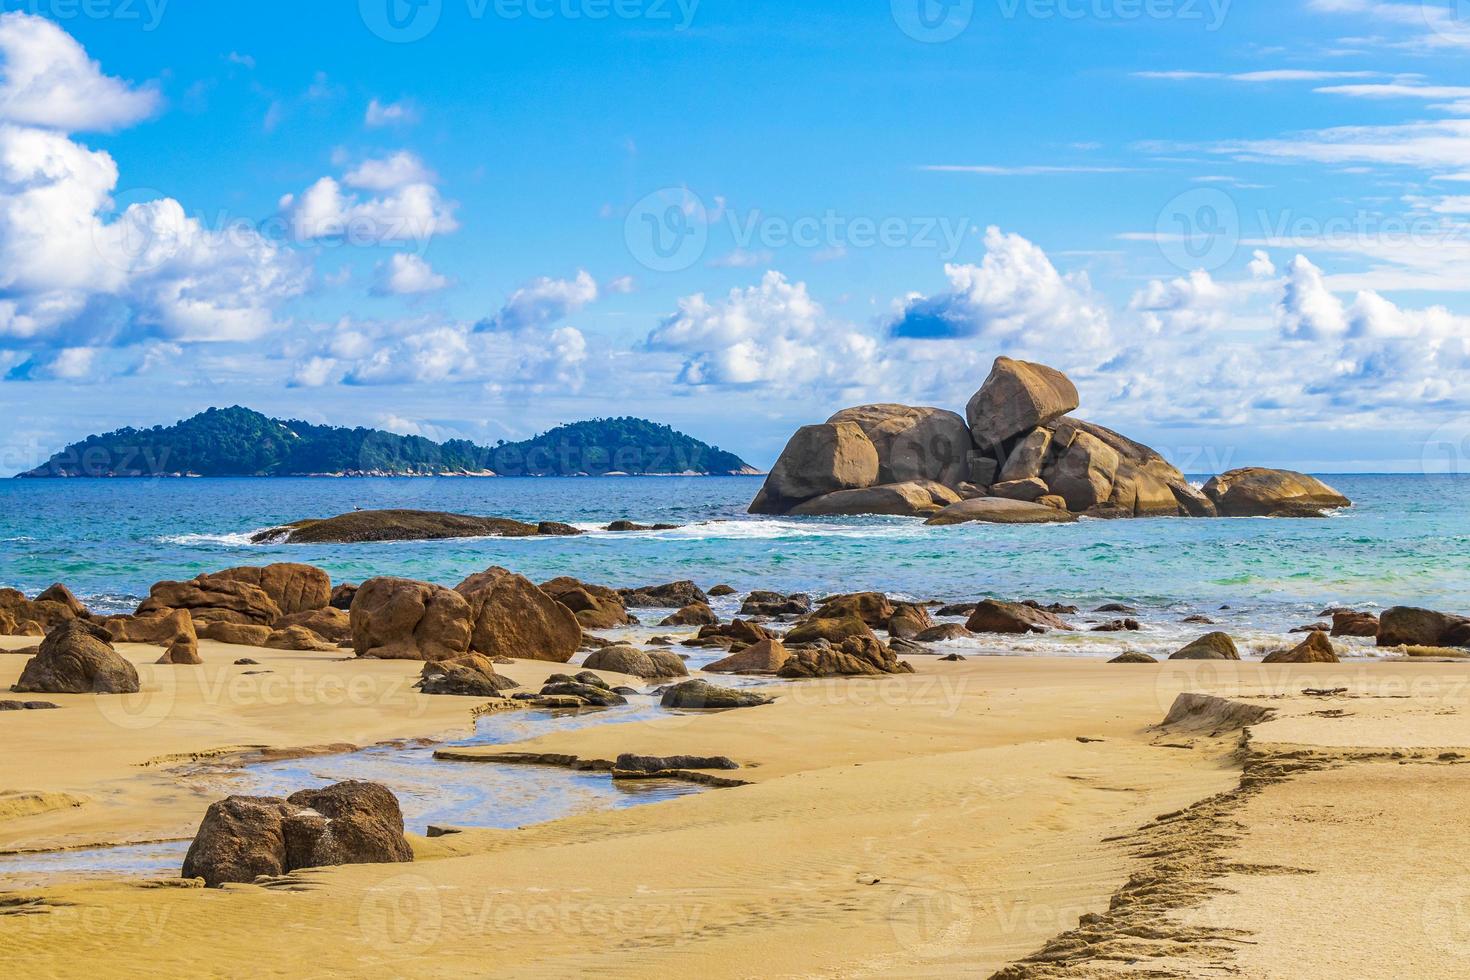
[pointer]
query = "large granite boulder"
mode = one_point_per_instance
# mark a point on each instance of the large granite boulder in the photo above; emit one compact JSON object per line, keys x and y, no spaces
{"x":77,"y":658}
{"x":1026,"y":460}
{"x":400,"y":619}
{"x":1144,"y":483}
{"x":909,"y":620}
{"x":995,"y":510}
{"x":294,"y":588}
{"x":765,"y":657}
{"x":702,"y":695}
{"x":1211,"y":646}
{"x":1409,"y":626}
{"x":1083,"y":472}
{"x":514,"y":618}
{"x":833,"y":631}
{"x":1315,"y":649}
{"x":182,"y":652}
{"x":244,"y":837}
{"x":913,"y":444}
{"x":694,"y":614}
{"x":1257,"y":492}
{"x":625,"y":659}
{"x":819,"y":459}
{"x":219,"y":600}
{"x":1016,"y":398}
{"x":912,"y":499}
{"x":64,"y":597}
{"x":298,"y":638}
{"x":45,"y":613}
{"x":872,"y":608}
{"x":1349,"y":623}
{"x":1013,"y":618}
{"x":595,"y":606}
{"x":237,"y":634}
{"x":160,"y":630}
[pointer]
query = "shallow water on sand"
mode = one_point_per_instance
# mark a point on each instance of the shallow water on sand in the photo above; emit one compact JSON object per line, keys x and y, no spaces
{"x":430,"y":791}
{"x":1406,"y":540}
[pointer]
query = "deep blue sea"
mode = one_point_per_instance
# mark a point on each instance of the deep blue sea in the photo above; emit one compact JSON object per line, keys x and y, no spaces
{"x":1407,"y":540}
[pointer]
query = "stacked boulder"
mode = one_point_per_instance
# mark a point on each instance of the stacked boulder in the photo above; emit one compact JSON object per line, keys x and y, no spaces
{"x":1018,"y":457}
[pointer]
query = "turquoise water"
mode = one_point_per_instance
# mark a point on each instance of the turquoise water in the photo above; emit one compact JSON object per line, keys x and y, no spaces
{"x":1407,"y":540}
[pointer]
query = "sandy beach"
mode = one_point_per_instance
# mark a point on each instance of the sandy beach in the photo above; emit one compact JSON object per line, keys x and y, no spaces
{"x":960,"y":821}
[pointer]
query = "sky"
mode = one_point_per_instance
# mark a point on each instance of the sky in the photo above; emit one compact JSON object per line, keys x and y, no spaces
{"x":1243,"y":229}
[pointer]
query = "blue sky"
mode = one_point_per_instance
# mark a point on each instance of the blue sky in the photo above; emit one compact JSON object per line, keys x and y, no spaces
{"x":1240,"y":227}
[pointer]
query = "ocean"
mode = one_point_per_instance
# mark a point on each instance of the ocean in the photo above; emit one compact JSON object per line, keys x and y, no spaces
{"x":1407,"y":541}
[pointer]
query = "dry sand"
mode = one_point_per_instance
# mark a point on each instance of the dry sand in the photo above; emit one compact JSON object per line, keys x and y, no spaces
{"x":958,"y":822}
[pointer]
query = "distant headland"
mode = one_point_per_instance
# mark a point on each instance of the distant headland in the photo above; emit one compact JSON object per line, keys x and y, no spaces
{"x":239,"y":442}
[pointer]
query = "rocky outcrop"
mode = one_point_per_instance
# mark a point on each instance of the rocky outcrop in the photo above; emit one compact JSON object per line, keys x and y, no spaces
{"x":834,"y":631}
{"x":855,"y":656}
{"x":514,"y":618}
{"x":908,"y":621}
{"x":1211,"y":646}
{"x":914,"y":445}
{"x":159,"y":630}
{"x":944,"y":633}
{"x":182,"y":652}
{"x":244,"y":837}
{"x":596,"y":607}
{"x":330,"y":623}
{"x":998,"y":510}
{"x":44,"y":613}
{"x":765,"y":657}
{"x":471,"y":676}
{"x":77,"y":658}
{"x":1030,"y":462}
{"x":294,"y":588}
{"x":1409,"y":626}
{"x":1315,"y":649}
{"x":695,"y":614}
{"x":1014,"y":618}
{"x":400,"y":619}
{"x":704,"y":696}
{"x":873,"y":608}
{"x":656,"y":764}
{"x":213,"y":600}
{"x":1256,"y":492}
{"x":397,"y":525}
{"x":674,"y":595}
{"x":775,"y":604}
{"x":819,"y":459}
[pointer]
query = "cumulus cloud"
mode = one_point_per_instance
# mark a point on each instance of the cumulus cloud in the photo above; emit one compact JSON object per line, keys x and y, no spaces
{"x":1015,"y":294}
{"x":771,"y":334}
{"x":1187,"y":304}
{"x":406,"y":274}
{"x":402,"y":205}
{"x":47,"y":80}
{"x":1308,"y":309}
{"x":542,"y":302}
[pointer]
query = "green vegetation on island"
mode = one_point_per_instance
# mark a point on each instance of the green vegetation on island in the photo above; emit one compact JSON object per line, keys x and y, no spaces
{"x":240,"y":442}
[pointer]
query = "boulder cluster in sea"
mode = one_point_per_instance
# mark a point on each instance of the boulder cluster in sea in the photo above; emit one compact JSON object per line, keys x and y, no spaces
{"x":1017,"y":457}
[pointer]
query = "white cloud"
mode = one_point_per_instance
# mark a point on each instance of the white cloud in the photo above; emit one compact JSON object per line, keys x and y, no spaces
{"x":401,"y":113}
{"x":743,"y":259}
{"x":1014,"y":295}
{"x":411,"y":212}
{"x":1187,"y":304}
{"x":390,"y":173}
{"x":47,"y":80}
{"x":406,"y":274}
{"x":1261,"y":266}
{"x":1308,"y":309}
{"x":542,"y":302}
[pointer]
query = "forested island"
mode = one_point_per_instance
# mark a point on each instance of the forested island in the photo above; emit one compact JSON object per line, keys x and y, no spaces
{"x":240,"y":442}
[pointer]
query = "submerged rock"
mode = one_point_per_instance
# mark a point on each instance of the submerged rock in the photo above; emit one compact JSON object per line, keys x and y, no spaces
{"x":1410,"y":626}
{"x":1315,"y":649}
{"x":1015,"y":618}
{"x":1133,"y":657}
{"x":395,"y":525}
{"x":674,"y":595}
{"x":1258,"y":492}
{"x":997,"y":510}
{"x":695,"y":614}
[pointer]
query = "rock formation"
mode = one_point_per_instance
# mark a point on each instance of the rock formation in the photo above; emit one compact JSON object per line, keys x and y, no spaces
{"x":1018,"y":457}
{"x":77,"y":658}
{"x":400,"y":619}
